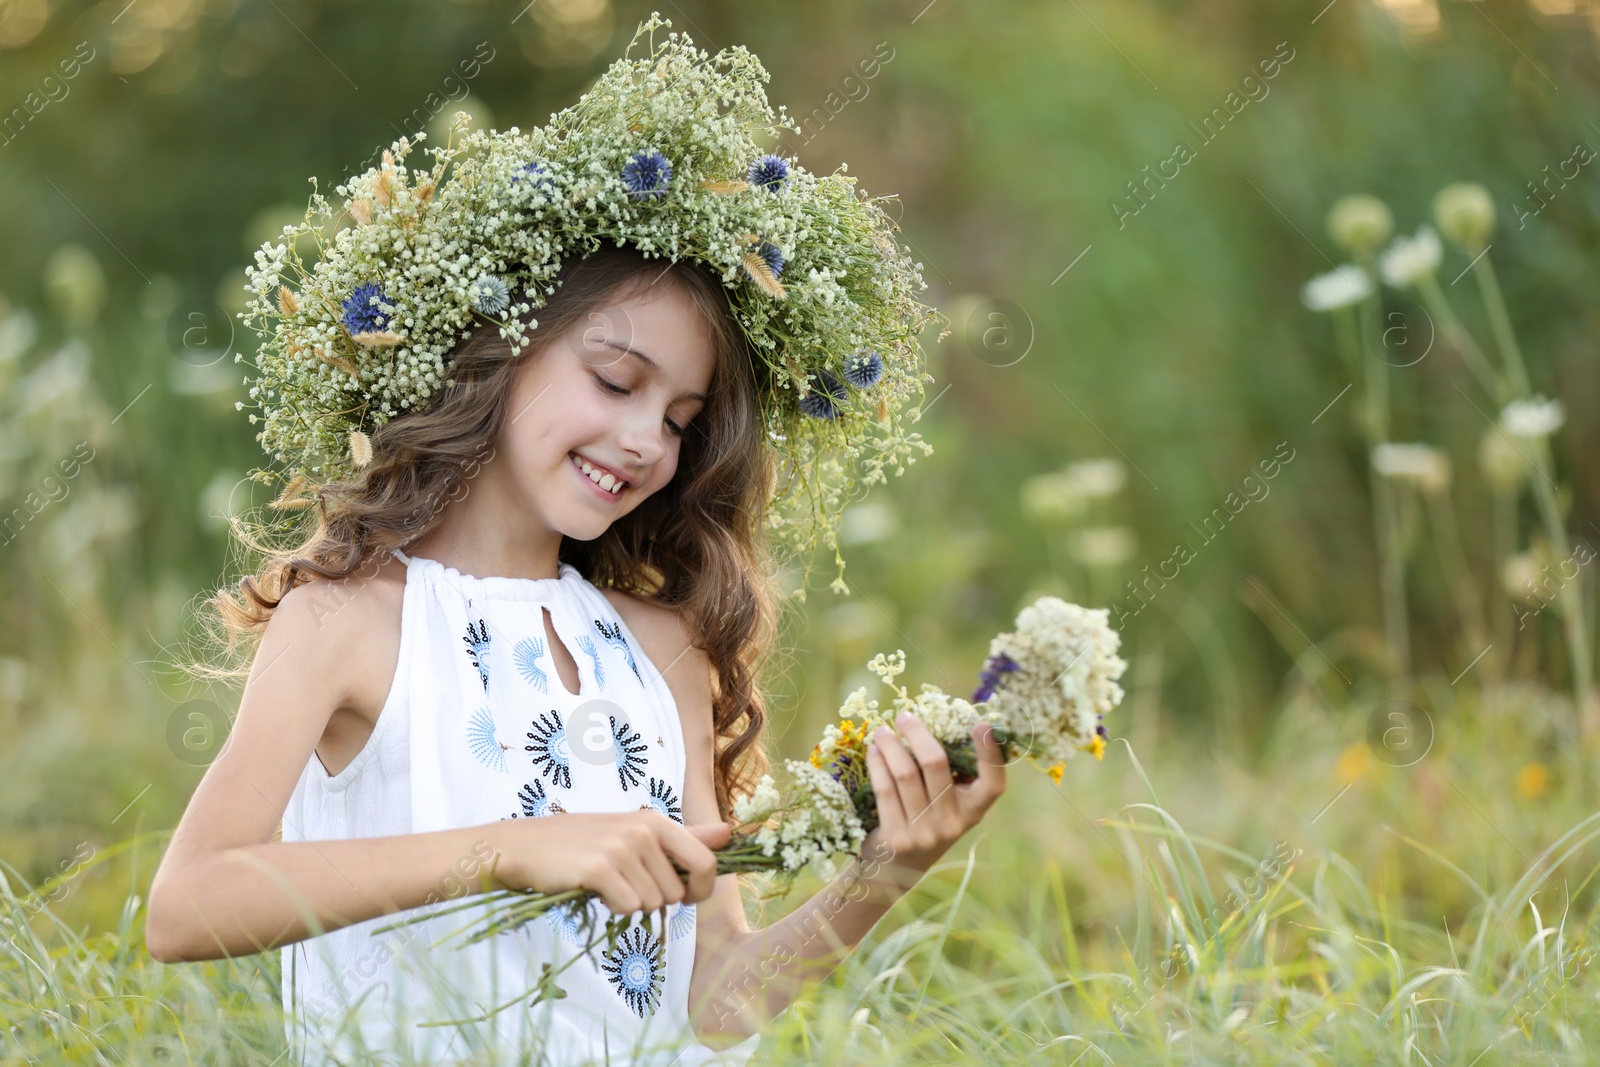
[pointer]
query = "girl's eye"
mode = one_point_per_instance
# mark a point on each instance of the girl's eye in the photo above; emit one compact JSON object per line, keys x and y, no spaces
{"x":617,"y":390}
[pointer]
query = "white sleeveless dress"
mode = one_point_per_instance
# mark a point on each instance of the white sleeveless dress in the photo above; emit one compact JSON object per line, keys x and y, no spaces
{"x":476,"y":728}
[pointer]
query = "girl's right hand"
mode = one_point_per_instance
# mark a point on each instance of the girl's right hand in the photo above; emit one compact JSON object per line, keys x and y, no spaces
{"x":626,"y":857}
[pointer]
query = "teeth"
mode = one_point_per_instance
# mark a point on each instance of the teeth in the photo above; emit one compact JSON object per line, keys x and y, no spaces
{"x":601,"y":478}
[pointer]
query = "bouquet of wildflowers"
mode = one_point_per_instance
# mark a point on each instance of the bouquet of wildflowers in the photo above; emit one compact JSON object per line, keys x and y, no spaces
{"x":1045,"y":688}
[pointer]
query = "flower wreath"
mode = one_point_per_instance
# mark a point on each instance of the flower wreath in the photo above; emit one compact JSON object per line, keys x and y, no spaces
{"x":661,"y":155}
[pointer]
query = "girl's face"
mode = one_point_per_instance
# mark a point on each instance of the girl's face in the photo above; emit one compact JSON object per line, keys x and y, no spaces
{"x":609,"y":399}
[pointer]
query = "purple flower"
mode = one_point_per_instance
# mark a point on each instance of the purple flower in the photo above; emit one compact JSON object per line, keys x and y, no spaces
{"x":863,"y":369}
{"x":647,"y":175}
{"x":536,"y":173}
{"x":995,"y":668}
{"x":773,"y":255}
{"x":770,"y":173}
{"x":360,"y":313}
{"x":822,"y":402}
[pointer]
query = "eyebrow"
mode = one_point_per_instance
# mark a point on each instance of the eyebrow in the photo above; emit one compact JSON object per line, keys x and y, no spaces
{"x":648,"y":362}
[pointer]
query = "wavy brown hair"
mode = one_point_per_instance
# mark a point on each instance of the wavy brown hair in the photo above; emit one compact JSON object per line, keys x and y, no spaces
{"x":696,"y":545}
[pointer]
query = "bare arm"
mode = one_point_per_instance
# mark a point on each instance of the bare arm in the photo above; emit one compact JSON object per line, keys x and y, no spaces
{"x":226,"y":888}
{"x":744,"y":977}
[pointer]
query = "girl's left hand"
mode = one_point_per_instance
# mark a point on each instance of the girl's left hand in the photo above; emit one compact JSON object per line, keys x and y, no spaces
{"x":922,"y":811}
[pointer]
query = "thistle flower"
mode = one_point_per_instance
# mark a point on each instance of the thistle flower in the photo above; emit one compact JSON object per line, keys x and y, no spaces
{"x":1344,"y":285}
{"x":490,"y":295}
{"x":771,"y":173}
{"x":647,"y":175}
{"x":1536,"y":417}
{"x":1465,"y":214}
{"x":361,"y":311}
{"x":772,"y":255}
{"x":863,"y":369}
{"x":822,"y":402}
{"x":1360,"y":224}
{"x":1410,"y":259}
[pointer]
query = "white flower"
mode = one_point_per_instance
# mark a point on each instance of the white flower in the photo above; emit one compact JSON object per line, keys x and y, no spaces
{"x":1424,"y":465}
{"x":1340,"y":287}
{"x":1408,"y":260}
{"x":1067,"y":666}
{"x":1537,"y":417}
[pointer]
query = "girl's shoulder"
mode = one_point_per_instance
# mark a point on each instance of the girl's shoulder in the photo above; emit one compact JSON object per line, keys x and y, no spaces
{"x":351,"y":627}
{"x":663,"y":631}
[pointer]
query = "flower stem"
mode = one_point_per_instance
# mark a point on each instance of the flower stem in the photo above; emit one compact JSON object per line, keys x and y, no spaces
{"x":1500,"y":324}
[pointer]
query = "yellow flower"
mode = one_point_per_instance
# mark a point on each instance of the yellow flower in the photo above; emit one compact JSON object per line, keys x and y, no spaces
{"x":1353,"y":763}
{"x":1057,"y":769}
{"x":1533,"y":780}
{"x":1098,"y":747}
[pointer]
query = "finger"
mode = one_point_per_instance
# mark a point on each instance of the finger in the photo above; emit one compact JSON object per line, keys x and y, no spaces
{"x":930,"y":754}
{"x":667,"y":882}
{"x":642,"y":884}
{"x":690,"y":850}
{"x":891,"y":813}
{"x":977,"y":795}
{"x":903,"y":767}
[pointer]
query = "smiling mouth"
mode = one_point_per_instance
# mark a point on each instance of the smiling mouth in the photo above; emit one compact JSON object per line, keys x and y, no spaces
{"x":603,"y":479}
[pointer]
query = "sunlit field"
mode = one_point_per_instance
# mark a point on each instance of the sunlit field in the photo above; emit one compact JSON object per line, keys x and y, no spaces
{"x":1271,"y":330}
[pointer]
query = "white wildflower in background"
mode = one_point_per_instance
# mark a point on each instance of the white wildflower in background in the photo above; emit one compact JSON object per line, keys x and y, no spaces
{"x":1410,"y":259}
{"x":1423,"y":465}
{"x":1344,"y":285}
{"x":1537,"y":417}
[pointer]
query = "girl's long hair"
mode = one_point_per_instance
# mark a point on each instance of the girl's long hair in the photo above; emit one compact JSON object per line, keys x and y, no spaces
{"x":696,"y":545}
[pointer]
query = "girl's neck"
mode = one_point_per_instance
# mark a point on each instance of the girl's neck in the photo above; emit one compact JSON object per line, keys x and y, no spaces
{"x":486,"y":542}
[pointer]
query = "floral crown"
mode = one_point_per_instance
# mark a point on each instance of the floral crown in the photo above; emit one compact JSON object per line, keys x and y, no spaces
{"x":659,"y":155}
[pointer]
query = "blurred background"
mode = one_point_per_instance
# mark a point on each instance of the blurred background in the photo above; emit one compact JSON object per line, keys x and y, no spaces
{"x":1116,"y":202}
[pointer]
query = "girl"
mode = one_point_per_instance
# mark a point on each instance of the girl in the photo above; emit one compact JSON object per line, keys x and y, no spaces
{"x":519,"y":649}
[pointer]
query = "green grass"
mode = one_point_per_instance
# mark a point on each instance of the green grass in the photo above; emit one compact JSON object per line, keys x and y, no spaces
{"x":1430,"y":914}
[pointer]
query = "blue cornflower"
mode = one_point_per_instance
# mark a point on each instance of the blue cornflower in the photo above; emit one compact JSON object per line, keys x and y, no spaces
{"x":536,"y":173}
{"x":773,"y":255}
{"x":647,"y":174}
{"x":770,"y":173}
{"x":490,"y":295}
{"x":993,"y":676}
{"x":822,"y":402}
{"x":863,"y":369}
{"x":360,"y":313}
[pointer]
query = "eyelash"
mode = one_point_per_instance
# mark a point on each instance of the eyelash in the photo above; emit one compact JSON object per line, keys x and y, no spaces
{"x":617,"y":390}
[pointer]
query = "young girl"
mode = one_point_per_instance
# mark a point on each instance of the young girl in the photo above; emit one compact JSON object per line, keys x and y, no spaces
{"x":519,"y":649}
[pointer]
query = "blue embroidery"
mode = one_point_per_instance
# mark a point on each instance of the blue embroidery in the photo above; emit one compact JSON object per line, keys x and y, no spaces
{"x":663,"y":800}
{"x":567,"y":920}
{"x":527,"y":655}
{"x":589,"y":649}
{"x":635,"y":969}
{"x":535,"y":803}
{"x":630,"y":765}
{"x":481,"y":738}
{"x":549,"y":737}
{"x":681,"y":924}
{"x":612,"y":633}
{"x":478,"y":648}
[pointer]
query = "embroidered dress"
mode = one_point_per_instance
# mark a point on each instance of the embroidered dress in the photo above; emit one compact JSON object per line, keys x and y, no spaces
{"x":478,"y":726}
